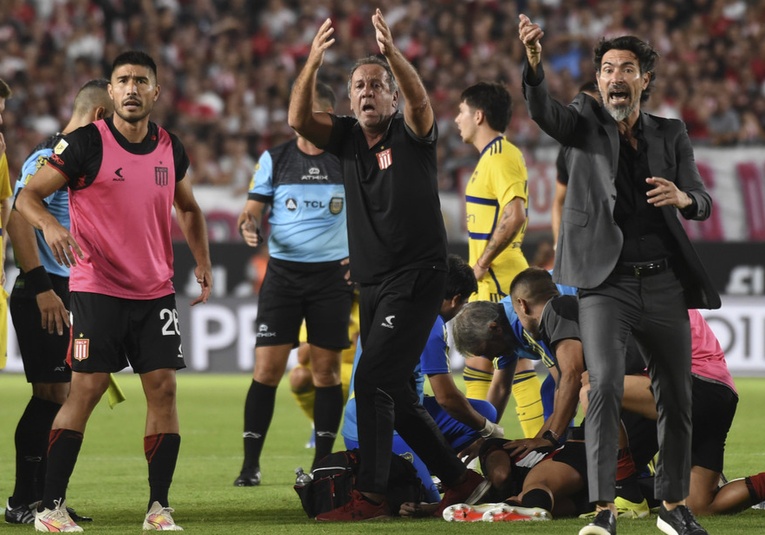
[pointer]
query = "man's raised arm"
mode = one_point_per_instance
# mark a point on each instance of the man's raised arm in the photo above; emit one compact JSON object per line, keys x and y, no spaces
{"x":316,"y":127}
{"x":418,"y":113}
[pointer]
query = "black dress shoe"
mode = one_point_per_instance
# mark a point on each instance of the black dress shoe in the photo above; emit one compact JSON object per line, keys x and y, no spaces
{"x":679,"y":521}
{"x":250,"y":477}
{"x":604,"y":524}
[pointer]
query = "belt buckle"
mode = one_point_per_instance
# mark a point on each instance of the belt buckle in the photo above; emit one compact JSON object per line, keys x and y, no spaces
{"x":637,"y":271}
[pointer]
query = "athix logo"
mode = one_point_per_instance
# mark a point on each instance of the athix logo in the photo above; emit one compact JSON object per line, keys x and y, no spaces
{"x":263,"y":332}
{"x":388,"y":322}
{"x":314,"y":173}
{"x":119,"y":177}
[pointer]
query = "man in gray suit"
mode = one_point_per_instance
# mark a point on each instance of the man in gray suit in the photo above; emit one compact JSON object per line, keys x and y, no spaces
{"x":622,"y":245}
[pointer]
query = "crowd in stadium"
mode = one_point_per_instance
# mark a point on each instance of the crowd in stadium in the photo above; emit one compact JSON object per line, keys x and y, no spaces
{"x":227,"y":65}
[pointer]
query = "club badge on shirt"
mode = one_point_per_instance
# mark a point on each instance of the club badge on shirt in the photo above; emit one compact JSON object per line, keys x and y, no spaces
{"x":384,"y":159}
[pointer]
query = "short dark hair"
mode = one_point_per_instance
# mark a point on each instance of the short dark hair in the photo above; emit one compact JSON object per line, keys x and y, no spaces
{"x":534,"y":284}
{"x":374,"y":60}
{"x":645,"y":54}
{"x":135,"y":57}
{"x":493,"y":99}
{"x":5,"y":89}
{"x":93,"y":93}
{"x":325,"y":93}
{"x":95,"y":83}
{"x":460,"y":279}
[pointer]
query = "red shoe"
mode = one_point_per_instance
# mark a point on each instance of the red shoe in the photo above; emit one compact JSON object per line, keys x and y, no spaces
{"x":469,"y":491}
{"x":358,"y":509}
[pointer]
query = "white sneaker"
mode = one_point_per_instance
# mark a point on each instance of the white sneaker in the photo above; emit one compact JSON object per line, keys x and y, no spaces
{"x":55,"y":520}
{"x":516,"y":513}
{"x":462,"y":512}
{"x":159,"y":519}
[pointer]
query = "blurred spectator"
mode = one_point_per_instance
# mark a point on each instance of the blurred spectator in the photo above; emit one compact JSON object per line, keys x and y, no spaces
{"x":724,"y":123}
{"x":236,"y":165}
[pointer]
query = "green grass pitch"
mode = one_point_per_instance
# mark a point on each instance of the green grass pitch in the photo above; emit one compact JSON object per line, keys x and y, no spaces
{"x":110,"y":480}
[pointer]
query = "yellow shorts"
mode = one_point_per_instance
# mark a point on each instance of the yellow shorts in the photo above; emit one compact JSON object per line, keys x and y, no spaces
{"x":495,"y":285}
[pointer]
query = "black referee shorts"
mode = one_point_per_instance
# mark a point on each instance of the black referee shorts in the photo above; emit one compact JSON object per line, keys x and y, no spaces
{"x":43,"y":354}
{"x":316,"y":292}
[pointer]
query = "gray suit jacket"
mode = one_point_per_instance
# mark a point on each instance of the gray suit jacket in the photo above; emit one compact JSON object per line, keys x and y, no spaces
{"x":590,"y":242}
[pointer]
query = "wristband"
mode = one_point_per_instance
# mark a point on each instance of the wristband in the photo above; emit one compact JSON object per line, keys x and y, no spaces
{"x":37,"y":280}
{"x":491,"y":430}
{"x":553,"y":437}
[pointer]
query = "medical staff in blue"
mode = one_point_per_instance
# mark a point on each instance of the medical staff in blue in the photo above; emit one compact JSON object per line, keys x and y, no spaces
{"x":306,"y":279}
{"x":496,"y":331}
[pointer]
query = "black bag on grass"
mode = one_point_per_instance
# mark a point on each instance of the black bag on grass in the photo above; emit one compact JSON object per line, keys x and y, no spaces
{"x":334,"y":478}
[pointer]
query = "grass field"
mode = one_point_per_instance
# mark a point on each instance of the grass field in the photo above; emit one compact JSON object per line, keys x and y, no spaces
{"x":110,"y":480}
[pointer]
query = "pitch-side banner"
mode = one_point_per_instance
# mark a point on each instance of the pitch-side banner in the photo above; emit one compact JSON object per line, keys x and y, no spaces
{"x":220,"y":335}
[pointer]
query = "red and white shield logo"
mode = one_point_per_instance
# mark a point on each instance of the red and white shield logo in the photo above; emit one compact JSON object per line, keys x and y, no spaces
{"x":384,"y":159}
{"x":81,"y":348}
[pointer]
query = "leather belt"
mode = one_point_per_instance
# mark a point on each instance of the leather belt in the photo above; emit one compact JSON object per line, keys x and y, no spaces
{"x":642,"y":269}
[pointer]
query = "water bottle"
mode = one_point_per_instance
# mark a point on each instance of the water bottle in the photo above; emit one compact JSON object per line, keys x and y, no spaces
{"x":301,"y":478}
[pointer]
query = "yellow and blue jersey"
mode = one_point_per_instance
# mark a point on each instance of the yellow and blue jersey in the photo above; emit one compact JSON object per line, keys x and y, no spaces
{"x":499,"y":177}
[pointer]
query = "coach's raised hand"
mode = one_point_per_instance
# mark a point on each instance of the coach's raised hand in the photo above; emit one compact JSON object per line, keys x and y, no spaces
{"x":530,"y":35}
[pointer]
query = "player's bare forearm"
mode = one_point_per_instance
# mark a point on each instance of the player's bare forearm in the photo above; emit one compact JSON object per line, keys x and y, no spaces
{"x":500,"y":389}
{"x":22,"y":235}
{"x":194,"y":228}
{"x":191,"y":220}
{"x":565,"y":403}
{"x":5,"y":211}
{"x":29,"y":202}
{"x":571,"y":365}
{"x":454,"y":402}
{"x":510,"y":224}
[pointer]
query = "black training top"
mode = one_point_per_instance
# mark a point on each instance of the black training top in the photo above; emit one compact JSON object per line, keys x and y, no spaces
{"x":394,"y":213}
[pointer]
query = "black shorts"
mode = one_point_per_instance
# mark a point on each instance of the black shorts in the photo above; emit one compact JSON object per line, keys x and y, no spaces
{"x":43,"y":354}
{"x":108,"y":333}
{"x":573,"y":453}
{"x":714,"y":406}
{"x":294,"y":291}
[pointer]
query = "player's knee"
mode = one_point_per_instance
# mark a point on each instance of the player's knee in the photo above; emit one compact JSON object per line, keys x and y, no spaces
{"x":328,"y":377}
{"x":53,"y":392}
{"x":301,"y":380}
{"x":497,"y":467}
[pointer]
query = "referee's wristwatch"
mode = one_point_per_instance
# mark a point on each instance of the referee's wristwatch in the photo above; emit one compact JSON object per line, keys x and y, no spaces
{"x":553,"y":437}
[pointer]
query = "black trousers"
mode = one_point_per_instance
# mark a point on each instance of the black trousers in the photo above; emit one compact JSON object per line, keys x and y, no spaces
{"x":396,"y":318}
{"x":653,"y":310}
